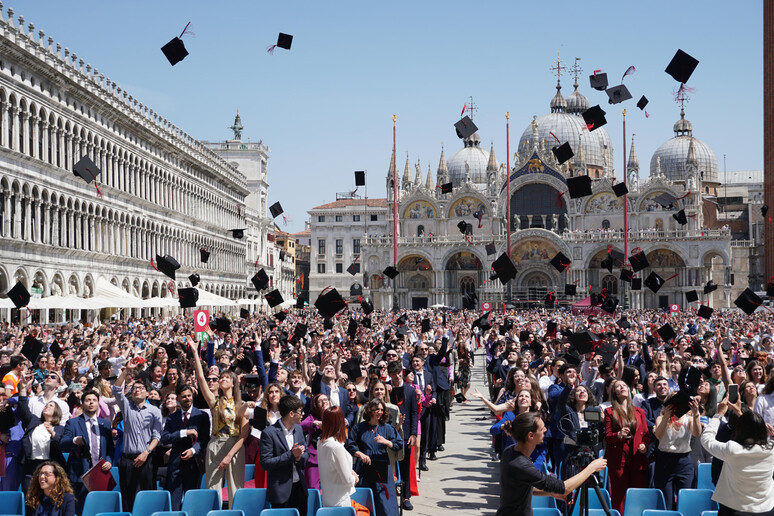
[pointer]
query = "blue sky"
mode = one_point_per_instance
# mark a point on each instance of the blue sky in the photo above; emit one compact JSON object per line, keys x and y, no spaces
{"x":324,"y":108}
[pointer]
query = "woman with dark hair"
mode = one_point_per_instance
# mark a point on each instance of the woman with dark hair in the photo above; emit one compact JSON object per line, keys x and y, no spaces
{"x":50,"y":493}
{"x":520,"y":479}
{"x":311,"y":426}
{"x":463,"y":368}
{"x":172,"y":379}
{"x":756,"y":374}
{"x":337,"y":478}
{"x":573,"y":411}
{"x":368,"y":442}
{"x":745,"y":485}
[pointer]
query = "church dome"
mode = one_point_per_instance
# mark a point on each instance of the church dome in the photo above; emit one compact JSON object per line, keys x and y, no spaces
{"x":472,"y":156}
{"x":577,"y":103}
{"x":672,"y":156}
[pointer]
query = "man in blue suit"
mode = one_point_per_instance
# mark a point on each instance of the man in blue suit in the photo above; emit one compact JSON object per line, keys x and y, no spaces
{"x":327,"y":383}
{"x":187,"y":431}
{"x":283,"y":457}
{"x":405,"y":397}
{"x":424,"y":382}
{"x":87,"y":438}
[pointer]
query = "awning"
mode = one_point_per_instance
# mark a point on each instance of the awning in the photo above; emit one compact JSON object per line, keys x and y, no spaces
{"x":248,"y":301}
{"x":116,"y":296}
{"x":210,"y":299}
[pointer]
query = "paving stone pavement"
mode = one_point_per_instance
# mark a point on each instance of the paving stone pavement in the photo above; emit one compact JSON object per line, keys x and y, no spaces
{"x":464,"y":479}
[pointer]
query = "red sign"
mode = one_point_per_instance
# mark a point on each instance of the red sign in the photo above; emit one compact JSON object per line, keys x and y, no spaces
{"x":674,"y":308}
{"x":486,"y":306}
{"x":201,"y":320}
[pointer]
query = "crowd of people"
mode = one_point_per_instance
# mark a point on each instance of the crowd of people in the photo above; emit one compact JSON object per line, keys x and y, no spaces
{"x":363,"y":400}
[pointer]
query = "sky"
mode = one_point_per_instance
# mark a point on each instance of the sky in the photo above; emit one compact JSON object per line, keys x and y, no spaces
{"x":325,"y":107}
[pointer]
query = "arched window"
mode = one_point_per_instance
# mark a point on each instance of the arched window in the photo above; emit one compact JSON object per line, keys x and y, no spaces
{"x":418,"y":282}
{"x":605,"y":224}
{"x":611,"y":284}
{"x":420,"y":230}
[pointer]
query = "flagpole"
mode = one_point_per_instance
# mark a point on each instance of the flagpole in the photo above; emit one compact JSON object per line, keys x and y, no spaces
{"x":626,"y":205}
{"x":394,"y":211}
{"x":508,"y":183}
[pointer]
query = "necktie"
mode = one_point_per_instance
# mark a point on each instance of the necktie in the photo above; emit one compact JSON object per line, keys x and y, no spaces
{"x":185,"y":419}
{"x":420,"y":381}
{"x":94,"y":442}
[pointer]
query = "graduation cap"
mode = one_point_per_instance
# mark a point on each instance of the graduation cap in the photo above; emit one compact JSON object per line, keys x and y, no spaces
{"x":330,"y":302}
{"x":351,"y":368}
{"x":465,"y":228}
{"x":465,"y":127}
{"x":710,"y":287}
{"x":594,"y":118}
{"x":620,"y":189}
{"x":86,"y":170}
{"x":770,"y":289}
{"x":56,"y":350}
{"x":260,"y":280}
{"x":563,"y":152}
{"x":680,"y":217}
{"x":446,"y":188}
{"x":426,"y":327}
{"x":607,"y":263}
{"x":610,"y":304}
{"x":642,"y":102}
{"x":299,"y":332}
{"x":354,"y":268}
{"x":617,"y":256}
{"x":359,"y":177}
{"x":608,"y":353}
{"x":223,"y":324}
{"x":403,"y":319}
{"x":204,"y":255}
{"x":352,"y":328}
{"x":570,"y":289}
{"x":572,"y":358}
{"x":244,"y":313}
{"x":560,"y":262}
{"x":691,"y":296}
{"x":666,"y":332}
{"x":523,"y":335}
{"x":328,"y":323}
{"x":693,"y":378}
{"x":32,"y":348}
{"x":274,"y":298}
{"x":623,"y":323}
{"x":504,"y":268}
{"x":19,"y":295}
{"x":174,"y":51}
{"x":748,"y":301}
{"x":171,"y":350}
{"x":618,"y":94}
{"x":367,"y":306}
{"x":300,"y":302}
{"x":281,"y":316}
{"x":188,"y":297}
{"x":276,"y":210}
{"x":579,"y":186}
{"x":283,"y":41}
{"x":549,"y":300}
{"x":482,"y":322}
{"x":665,"y":200}
{"x":238,"y":233}
{"x":654,"y":282}
{"x":366,"y":322}
{"x":194,"y":279}
{"x":639,"y":261}
{"x":551,"y":328}
{"x":391,"y":272}
{"x":681,"y":66}
{"x":583,"y":341}
{"x":627,"y":275}
{"x":705,"y":311}
{"x":681,"y":400}
{"x":636,"y":283}
{"x":598,"y":81}
{"x":167,"y":265}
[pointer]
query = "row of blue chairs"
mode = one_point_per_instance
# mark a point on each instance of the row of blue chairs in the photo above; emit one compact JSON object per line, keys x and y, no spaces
{"x":690,"y":502}
{"x":543,"y":511}
{"x":324,"y":511}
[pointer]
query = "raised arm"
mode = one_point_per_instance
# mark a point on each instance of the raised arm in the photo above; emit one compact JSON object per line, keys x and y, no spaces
{"x":203,"y":387}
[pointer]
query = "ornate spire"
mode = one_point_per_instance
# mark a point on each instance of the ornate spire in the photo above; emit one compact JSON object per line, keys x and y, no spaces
{"x":237,"y":127}
{"x":691,"y":159}
{"x":633,"y":163}
{"x":406,"y":181}
{"x":633,"y":169}
{"x":558,"y":103}
{"x":391,"y":170}
{"x":418,"y":175}
{"x":492,"y":165}
{"x":443,"y":171}
{"x":430,"y":184}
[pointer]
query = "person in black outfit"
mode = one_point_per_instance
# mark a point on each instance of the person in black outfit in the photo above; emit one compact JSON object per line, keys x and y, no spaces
{"x":520,"y":479}
{"x":404,"y":396}
{"x":436,"y":364}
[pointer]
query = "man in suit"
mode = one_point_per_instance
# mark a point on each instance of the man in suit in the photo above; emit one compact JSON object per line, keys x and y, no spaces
{"x":87,"y":438}
{"x":327,"y":382}
{"x":424,"y":382}
{"x":404,"y":396}
{"x":437,"y":364}
{"x":284,"y":456}
{"x":187,"y":432}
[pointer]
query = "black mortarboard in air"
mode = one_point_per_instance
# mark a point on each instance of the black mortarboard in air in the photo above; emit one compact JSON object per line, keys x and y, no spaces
{"x":328,"y":323}
{"x":623,"y":323}
{"x":560,"y":262}
{"x":194,"y":279}
{"x":681,"y":66}
{"x":276,"y":210}
{"x":482,"y":322}
{"x":351,"y":368}
{"x":391,"y":272}
{"x":447,"y":188}
{"x":223,"y":324}
{"x":617,"y":256}
{"x":549,"y":300}
{"x":188,"y":297}
{"x":607,"y":263}
{"x":260,"y":419}
{"x":490,"y":249}
{"x":465,"y":127}
{"x":620,"y":189}
{"x":693,"y":376}
{"x":594,"y":118}
{"x":367,"y":306}
{"x":666,"y":332}
{"x":770,"y":289}
{"x":598,"y":81}
{"x":654,"y":282}
{"x":244,"y":313}
{"x":523,"y":335}
{"x":245,"y":363}
{"x":636,"y":283}
{"x":274,"y":298}
{"x":642,"y":102}
{"x":748,"y":301}
{"x":705,"y":311}
{"x":570,"y":289}
{"x":710,"y":287}
{"x":352,"y":328}
{"x":583,"y":341}
{"x":86,"y":169}
{"x":353,"y":268}
{"x":665,"y":200}
{"x":579,"y":186}
{"x":284,"y":40}
{"x":281,"y":316}
{"x":426,"y":326}
{"x":366,"y":322}
{"x":403,"y":319}
{"x":359,"y":177}
{"x":175,"y":51}
{"x":167,"y":265}
{"x":618,"y":94}
{"x":639,"y":261}
{"x":551,"y":327}
{"x":681,"y":401}
{"x":204,"y":255}
{"x":465,"y":228}
{"x":627,"y":275}
{"x":19,"y":295}
{"x":680,"y":217}
{"x":260,"y":280}
{"x":572,"y":358}
{"x":32,"y":348}
{"x":504,"y":268}
{"x":300,"y":302}
{"x":563,"y":152}
{"x":610,"y":304}
{"x":56,"y":350}
{"x":238,"y":233}
{"x":691,"y":296}
{"x":330,"y":302}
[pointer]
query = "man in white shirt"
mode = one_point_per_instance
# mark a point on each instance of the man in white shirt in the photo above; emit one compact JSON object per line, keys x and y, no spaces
{"x":38,"y":403}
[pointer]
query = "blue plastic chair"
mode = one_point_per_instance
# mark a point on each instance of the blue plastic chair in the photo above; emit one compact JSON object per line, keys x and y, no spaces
{"x":148,"y":502}
{"x":114,"y":472}
{"x":545,"y":511}
{"x":593,"y":501}
{"x":709,"y":513}
{"x":277,"y":512}
{"x":704,"y":476}
{"x":169,"y":513}
{"x":101,"y":501}
{"x":364,"y":496}
{"x":249,"y":472}
{"x":114,"y":514}
{"x":229,"y":512}
{"x":543,"y":502}
{"x":12,"y":502}
{"x":198,"y":502}
{"x":313,"y":501}
{"x":639,"y":499}
{"x":692,"y":502}
{"x":337,"y":511}
{"x":660,"y":512}
{"x":250,"y":500}
{"x":601,"y":512}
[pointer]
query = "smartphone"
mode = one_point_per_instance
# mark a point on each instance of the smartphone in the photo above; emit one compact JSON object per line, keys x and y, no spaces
{"x":733,"y":393}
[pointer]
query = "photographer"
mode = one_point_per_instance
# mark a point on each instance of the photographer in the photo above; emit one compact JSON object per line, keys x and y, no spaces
{"x":520,"y":479}
{"x":579,"y":402}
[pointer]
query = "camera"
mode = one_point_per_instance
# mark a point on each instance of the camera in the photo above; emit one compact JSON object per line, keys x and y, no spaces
{"x":585,"y":438}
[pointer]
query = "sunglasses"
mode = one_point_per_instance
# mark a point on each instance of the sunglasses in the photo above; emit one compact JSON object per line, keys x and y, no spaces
{"x":212,"y":379}
{"x":53,"y":377}
{"x":351,"y":390}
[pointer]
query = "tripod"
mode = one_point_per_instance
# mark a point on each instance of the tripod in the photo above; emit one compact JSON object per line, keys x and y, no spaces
{"x":582,"y":496}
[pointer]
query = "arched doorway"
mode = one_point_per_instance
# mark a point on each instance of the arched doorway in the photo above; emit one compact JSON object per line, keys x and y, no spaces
{"x":537,"y":285}
{"x":468,"y":291}
{"x":534,"y":205}
{"x":418,"y":279}
{"x":460,"y":272}
{"x":666,"y":263}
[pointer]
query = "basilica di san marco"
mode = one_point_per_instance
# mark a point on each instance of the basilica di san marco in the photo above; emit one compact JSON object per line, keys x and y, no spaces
{"x":442,"y":264}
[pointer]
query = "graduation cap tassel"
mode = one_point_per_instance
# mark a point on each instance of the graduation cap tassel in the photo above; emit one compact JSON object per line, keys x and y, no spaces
{"x":559,"y":199}
{"x":464,"y":107}
{"x":154,"y":266}
{"x":99,"y":192}
{"x":684,"y":196}
{"x":555,"y":138}
{"x":628,"y":71}
{"x":186,"y":31}
{"x":255,"y":265}
{"x":171,"y":287}
{"x":646,"y":113}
